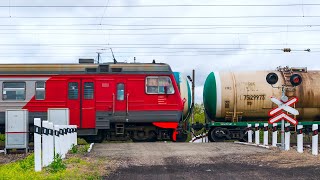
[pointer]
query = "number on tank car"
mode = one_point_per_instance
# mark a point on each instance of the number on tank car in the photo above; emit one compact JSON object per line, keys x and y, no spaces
{"x":254,"y":97}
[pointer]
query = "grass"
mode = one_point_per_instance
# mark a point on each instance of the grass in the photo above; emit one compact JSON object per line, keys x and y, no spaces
{"x":2,"y":137}
{"x":76,"y":167}
{"x":81,"y":141}
{"x":81,"y":149}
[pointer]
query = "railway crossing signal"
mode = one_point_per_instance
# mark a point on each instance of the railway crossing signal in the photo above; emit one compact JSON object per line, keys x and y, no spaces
{"x":278,"y":113}
{"x":295,"y":79}
{"x":272,"y":78}
{"x":283,"y":103}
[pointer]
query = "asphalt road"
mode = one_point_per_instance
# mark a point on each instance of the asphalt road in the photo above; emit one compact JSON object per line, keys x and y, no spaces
{"x":196,"y":161}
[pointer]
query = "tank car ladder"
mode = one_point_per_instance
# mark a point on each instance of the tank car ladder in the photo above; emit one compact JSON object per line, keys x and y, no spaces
{"x":286,"y":73}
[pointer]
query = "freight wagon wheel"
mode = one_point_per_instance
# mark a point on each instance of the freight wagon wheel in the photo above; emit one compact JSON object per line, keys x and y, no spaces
{"x":217,"y":134}
{"x":243,"y":135}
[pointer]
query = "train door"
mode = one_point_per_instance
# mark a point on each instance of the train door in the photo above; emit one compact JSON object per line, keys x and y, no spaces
{"x":88,"y":110}
{"x":81,"y":102}
{"x":121,"y":98}
{"x":73,"y":101}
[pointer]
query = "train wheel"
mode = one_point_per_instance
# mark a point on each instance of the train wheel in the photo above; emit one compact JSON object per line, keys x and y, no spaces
{"x":244,"y":136}
{"x":152,"y":136}
{"x":217,"y":134}
{"x":182,"y":137}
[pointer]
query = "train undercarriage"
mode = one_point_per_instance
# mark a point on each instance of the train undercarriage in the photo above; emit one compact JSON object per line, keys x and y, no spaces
{"x":221,"y":131}
{"x":137,"y":133}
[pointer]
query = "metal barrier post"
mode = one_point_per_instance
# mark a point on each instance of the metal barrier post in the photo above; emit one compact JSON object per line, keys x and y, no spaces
{"x":299,"y":139}
{"x":287,"y":137}
{"x":249,"y":133}
{"x":315,"y":139}
{"x":274,"y":134}
{"x":257,"y":135}
{"x":265,"y":134}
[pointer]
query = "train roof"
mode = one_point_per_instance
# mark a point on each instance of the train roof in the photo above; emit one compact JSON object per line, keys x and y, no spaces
{"x":86,"y":68}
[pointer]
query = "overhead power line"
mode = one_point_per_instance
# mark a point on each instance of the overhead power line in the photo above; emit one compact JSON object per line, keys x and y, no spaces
{"x":155,"y":44}
{"x":168,"y":55}
{"x":169,"y":25}
{"x":137,"y":29}
{"x":158,"y":5}
{"x":157,"y":34}
{"x":155,"y":17}
{"x":146,"y":45}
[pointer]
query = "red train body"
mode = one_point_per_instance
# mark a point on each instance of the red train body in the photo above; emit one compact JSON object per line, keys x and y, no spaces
{"x":140,"y":101}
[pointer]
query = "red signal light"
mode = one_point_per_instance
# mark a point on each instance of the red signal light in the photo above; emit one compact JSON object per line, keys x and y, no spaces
{"x":295,"y":80}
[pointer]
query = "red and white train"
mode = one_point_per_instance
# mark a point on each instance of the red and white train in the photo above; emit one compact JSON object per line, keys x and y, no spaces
{"x":140,"y":101}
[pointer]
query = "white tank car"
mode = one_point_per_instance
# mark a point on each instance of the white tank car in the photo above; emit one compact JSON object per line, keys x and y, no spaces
{"x":245,"y":96}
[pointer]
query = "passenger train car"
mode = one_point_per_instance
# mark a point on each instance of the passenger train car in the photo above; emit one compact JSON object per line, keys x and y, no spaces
{"x":140,"y":101}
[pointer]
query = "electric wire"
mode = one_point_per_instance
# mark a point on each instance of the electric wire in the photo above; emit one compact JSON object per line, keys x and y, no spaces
{"x":158,"y":17}
{"x":158,"y":5}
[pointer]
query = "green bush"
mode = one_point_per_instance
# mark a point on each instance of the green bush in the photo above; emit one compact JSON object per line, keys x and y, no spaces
{"x":2,"y":137}
{"x":74,"y":149}
{"x":84,"y":149}
{"x":81,"y":141}
{"x":57,"y":164}
{"x":27,"y":163}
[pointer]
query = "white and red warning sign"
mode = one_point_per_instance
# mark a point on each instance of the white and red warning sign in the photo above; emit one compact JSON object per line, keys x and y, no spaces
{"x":279,"y":114}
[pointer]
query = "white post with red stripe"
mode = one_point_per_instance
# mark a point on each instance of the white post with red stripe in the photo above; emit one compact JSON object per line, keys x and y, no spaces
{"x":256,"y":134}
{"x":265,"y":134}
{"x":274,"y":134}
{"x":287,"y":137}
{"x":249,"y":133}
{"x":315,"y":139}
{"x":299,"y":139}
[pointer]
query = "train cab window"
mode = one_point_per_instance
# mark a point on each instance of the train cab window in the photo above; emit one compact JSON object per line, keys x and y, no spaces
{"x":159,"y":85}
{"x":14,"y":91}
{"x":73,"y":90}
{"x":40,"y":90}
{"x":120,"y":92}
{"x":88,"y":90}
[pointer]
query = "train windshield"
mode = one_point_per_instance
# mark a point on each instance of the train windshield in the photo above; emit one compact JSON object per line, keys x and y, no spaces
{"x":159,"y":85}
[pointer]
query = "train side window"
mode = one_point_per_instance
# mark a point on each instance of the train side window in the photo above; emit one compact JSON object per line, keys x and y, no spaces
{"x":159,"y":85}
{"x":88,"y":90}
{"x":73,"y":90}
{"x":14,"y":91}
{"x":120,"y":92}
{"x":40,"y":90}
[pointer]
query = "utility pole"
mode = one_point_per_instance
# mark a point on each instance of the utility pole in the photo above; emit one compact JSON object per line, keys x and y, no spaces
{"x":98,"y":57}
{"x":192,"y":80}
{"x":193,"y":84}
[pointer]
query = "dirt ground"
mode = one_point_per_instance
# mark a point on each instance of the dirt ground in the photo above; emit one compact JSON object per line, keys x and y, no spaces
{"x":11,"y":157}
{"x":197,"y":161}
{"x":204,"y":161}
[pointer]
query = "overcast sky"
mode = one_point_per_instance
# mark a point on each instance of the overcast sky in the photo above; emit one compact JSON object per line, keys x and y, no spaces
{"x":222,"y":38}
